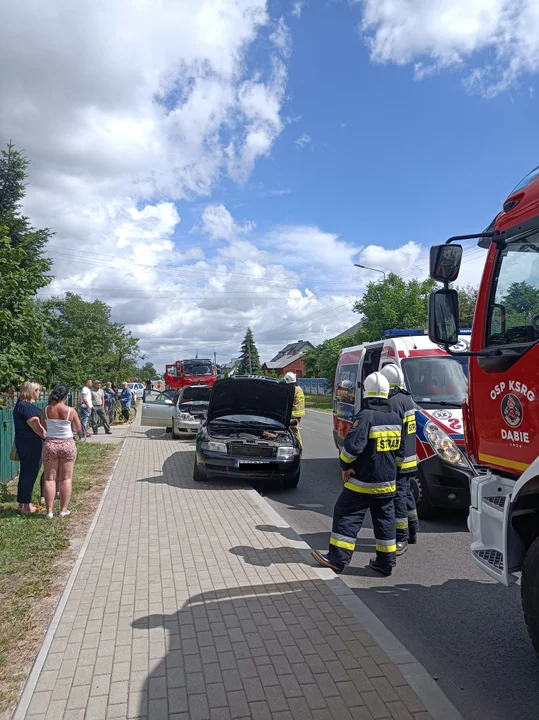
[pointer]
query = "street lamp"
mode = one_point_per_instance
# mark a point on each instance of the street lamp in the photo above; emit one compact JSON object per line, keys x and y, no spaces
{"x":369,"y":268}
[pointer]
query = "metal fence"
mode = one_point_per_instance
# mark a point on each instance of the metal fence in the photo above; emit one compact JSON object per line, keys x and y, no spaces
{"x":314,"y":386}
{"x":9,"y":469}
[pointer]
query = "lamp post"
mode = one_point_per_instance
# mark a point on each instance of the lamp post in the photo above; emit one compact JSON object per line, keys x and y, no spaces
{"x":365,"y":267}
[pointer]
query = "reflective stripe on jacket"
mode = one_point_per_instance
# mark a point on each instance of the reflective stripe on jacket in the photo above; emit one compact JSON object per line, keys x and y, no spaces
{"x":371,"y":448}
{"x":402,"y":403}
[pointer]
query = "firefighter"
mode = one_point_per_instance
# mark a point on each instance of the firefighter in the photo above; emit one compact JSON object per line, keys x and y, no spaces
{"x":406,"y":520}
{"x":298,"y":409}
{"x":369,"y":471}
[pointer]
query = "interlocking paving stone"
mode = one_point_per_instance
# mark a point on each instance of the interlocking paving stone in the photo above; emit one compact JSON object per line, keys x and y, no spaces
{"x":189,"y":605}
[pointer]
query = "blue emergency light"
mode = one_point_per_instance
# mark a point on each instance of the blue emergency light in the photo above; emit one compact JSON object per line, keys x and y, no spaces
{"x":406,"y":333}
{"x":401,"y":333}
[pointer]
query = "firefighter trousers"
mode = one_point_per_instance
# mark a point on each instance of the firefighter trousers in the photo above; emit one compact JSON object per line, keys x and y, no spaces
{"x":294,"y":429}
{"x":348,"y":517}
{"x":406,"y":520}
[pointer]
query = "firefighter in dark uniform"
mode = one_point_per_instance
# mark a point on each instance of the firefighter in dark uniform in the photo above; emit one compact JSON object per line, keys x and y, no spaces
{"x":369,"y":471}
{"x":401,"y":401}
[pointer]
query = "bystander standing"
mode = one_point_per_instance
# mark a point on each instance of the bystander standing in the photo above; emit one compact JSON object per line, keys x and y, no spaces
{"x":125,"y":401}
{"x":86,"y":406}
{"x":98,"y":400}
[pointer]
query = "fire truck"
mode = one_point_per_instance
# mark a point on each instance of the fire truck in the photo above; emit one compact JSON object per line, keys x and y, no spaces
{"x":501,"y":413}
{"x":438,"y":383}
{"x":189,"y":372}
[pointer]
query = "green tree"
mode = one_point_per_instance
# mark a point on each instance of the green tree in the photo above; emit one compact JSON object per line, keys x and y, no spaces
{"x":23,"y":271}
{"x":85,"y":343}
{"x":147,"y":371}
{"x":249,"y":363}
{"x":393,"y":303}
{"x":467,"y":303}
{"x":521,"y":301}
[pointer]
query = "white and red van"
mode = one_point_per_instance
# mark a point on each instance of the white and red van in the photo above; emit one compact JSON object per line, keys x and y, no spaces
{"x":438,"y":383}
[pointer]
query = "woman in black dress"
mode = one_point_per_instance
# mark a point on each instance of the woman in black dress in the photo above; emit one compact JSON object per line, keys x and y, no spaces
{"x":29,"y":437}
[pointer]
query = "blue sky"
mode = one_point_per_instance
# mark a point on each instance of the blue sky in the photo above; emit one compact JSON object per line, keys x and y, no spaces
{"x":290,"y":145}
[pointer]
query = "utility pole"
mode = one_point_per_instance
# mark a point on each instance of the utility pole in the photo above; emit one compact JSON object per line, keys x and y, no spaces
{"x":215,"y":358}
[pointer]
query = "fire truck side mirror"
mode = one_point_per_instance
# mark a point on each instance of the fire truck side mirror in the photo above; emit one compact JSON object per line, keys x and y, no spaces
{"x":445,"y":262}
{"x":444,"y":317}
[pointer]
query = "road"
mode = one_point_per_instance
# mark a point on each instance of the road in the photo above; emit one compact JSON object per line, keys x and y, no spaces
{"x":467,"y":631}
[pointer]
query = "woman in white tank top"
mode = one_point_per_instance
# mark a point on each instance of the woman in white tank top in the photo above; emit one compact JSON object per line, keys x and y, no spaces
{"x":59,"y":450}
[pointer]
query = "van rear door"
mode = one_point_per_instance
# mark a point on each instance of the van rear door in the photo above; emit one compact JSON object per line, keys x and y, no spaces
{"x":346,"y":391}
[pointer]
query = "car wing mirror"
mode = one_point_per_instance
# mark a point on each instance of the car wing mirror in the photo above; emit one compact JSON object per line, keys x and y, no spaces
{"x":168,"y":401}
{"x":293,"y":423}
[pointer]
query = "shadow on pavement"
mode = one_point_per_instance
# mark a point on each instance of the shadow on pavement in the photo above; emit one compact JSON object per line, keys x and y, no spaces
{"x":234,"y":648}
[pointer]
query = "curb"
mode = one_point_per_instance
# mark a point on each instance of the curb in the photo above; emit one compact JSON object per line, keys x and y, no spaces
{"x":424,"y":685}
{"x":37,"y":667}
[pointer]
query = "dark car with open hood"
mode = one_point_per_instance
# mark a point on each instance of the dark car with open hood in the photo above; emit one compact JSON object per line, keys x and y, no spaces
{"x":246,"y":433}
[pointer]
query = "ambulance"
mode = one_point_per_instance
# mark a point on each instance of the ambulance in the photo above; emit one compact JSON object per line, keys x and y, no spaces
{"x":438,"y":383}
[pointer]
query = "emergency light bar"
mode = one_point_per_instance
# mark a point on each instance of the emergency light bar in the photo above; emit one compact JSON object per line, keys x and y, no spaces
{"x":402,"y":333}
{"x":406,"y":333}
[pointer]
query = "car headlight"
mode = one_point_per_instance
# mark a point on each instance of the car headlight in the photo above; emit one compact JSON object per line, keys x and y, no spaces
{"x":444,"y":446}
{"x":286,"y":452}
{"x":184,"y":416}
{"x":214,"y":446}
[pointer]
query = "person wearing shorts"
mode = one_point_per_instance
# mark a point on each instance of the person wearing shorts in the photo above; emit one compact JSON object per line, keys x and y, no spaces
{"x":59,"y":450}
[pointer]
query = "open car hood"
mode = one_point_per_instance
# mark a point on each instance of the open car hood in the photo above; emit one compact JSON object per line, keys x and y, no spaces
{"x":252,"y":396}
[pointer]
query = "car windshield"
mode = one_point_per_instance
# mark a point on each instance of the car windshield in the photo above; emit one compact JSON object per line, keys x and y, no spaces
{"x":197,"y":367}
{"x":439,"y":380}
{"x":196,"y":393}
{"x":250,"y":419}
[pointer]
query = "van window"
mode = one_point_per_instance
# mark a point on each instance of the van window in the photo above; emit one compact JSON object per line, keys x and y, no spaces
{"x":346,"y":383}
{"x":371,"y":363}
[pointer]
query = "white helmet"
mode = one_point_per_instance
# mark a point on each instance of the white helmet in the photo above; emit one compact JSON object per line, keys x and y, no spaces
{"x":376,"y":386}
{"x":393,"y":374}
{"x":290,"y":377}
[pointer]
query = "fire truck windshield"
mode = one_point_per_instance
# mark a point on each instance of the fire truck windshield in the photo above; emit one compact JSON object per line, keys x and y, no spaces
{"x":436,"y":380}
{"x":513,"y":316}
{"x":197,"y":367}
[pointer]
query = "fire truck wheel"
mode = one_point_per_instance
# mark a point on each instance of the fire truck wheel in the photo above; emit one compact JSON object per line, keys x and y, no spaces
{"x":530,"y":592}
{"x":425,"y":509}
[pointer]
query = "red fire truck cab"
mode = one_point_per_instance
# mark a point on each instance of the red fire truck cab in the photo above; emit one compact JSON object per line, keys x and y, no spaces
{"x":501,"y":414}
{"x":189,"y":372}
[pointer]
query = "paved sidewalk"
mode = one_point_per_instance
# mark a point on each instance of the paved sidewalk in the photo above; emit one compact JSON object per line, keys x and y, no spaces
{"x":189,"y":604}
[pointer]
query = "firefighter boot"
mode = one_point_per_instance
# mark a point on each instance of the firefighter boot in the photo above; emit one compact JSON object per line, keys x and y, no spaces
{"x":385,"y":570}
{"x":326,"y":562}
{"x":402,"y":546}
{"x":412,"y":539}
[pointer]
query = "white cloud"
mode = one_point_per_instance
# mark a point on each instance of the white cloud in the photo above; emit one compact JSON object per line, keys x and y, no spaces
{"x":281,"y":37}
{"x":303,"y":140}
{"x":297,"y":7}
{"x":437,"y":34}
{"x":218,"y":223}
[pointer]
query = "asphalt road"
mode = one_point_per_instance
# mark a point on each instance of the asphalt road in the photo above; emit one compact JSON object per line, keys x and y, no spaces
{"x":466,"y":630}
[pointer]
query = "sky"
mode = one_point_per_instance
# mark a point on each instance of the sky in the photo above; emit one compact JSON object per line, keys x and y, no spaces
{"x":216,"y":165}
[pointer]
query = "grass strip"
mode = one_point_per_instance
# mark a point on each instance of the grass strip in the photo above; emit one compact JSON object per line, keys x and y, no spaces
{"x":36,"y":556}
{"x":319,"y":402}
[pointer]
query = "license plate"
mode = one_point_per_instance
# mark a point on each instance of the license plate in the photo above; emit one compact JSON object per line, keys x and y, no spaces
{"x":237,"y":463}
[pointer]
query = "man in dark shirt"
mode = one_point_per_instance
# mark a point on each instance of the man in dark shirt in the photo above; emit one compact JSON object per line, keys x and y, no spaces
{"x":369,"y":471}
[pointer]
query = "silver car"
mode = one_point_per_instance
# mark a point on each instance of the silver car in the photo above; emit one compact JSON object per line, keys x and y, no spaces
{"x":181,"y":415}
{"x":191,"y":406}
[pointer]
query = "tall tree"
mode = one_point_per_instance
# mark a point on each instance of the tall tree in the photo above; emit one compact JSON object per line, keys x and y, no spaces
{"x":393,"y":303}
{"x":23,"y":271}
{"x":147,"y":371}
{"x":467,"y":303}
{"x":249,"y":363}
{"x":85,"y":343}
